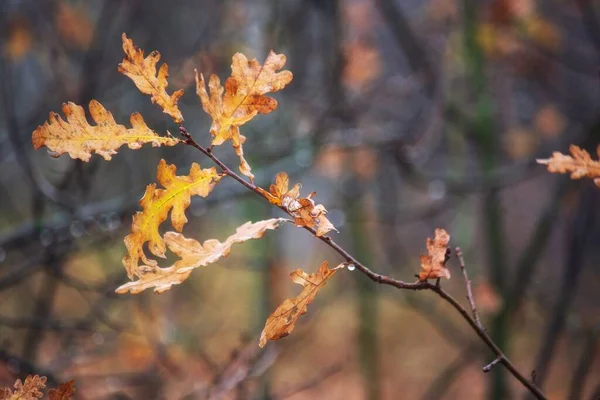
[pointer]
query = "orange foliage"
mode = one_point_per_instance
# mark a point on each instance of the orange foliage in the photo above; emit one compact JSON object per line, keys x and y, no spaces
{"x":304,"y":210}
{"x":579,"y":164}
{"x":64,"y":391}
{"x":193,"y":255}
{"x":433,"y":265}
{"x":243,"y":98}
{"x":283,"y":320}
{"x":78,"y":138}
{"x":142,"y":71}
{"x":157,"y":203}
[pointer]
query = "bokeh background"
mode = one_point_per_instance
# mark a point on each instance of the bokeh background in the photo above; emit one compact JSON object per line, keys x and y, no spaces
{"x":403,"y":116}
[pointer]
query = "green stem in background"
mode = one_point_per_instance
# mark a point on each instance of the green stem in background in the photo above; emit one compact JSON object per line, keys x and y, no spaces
{"x":367,"y":300}
{"x":484,"y":136}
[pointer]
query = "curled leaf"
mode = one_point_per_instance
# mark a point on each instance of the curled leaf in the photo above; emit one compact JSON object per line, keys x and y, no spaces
{"x":304,"y":210}
{"x":79,"y":139}
{"x":283,"y":320}
{"x":142,"y":71}
{"x":243,"y":98}
{"x":28,"y":390}
{"x":433,"y":265}
{"x":579,"y":164}
{"x":156,"y":204}
{"x":192,"y":255}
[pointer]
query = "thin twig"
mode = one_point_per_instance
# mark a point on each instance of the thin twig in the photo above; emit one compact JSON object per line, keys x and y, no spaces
{"x":470,"y":297}
{"x":382,"y":279}
{"x":489,"y":367}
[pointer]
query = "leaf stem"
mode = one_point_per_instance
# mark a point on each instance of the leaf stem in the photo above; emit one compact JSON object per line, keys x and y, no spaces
{"x":474,"y":321}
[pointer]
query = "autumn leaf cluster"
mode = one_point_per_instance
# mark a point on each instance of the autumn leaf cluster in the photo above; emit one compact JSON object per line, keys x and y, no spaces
{"x":243,"y":97}
{"x":32,"y":389}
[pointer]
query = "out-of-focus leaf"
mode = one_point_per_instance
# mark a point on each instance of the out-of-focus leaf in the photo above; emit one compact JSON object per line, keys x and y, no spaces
{"x":74,"y":24}
{"x":64,"y":391}
{"x":20,"y":39}
{"x":519,"y":142}
{"x":28,"y":390}
{"x":549,"y":121}
{"x":79,"y":139}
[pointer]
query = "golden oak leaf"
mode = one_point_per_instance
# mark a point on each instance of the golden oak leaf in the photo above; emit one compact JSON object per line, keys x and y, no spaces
{"x":64,"y":391}
{"x":192,"y":255}
{"x":304,"y":210}
{"x":278,"y":192}
{"x":283,"y":320}
{"x":142,"y":71}
{"x":156,"y":204}
{"x":433,"y":265}
{"x":79,"y":139}
{"x":28,"y":390}
{"x":579,"y":164}
{"x":242,"y":98}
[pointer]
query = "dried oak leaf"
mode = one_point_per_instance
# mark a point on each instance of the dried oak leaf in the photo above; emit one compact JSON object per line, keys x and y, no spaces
{"x":283,"y":320}
{"x":304,"y":210}
{"x":156,"y":204}
{"x":433,"y":265}
{"x":28,"y":390}
{"x":192,"y":255}
{"x":579,"y":164}
{"x":243,"y":98}
{"x":79,"y":139}
{"x":142,"y":71}
{"x":64,"y":391}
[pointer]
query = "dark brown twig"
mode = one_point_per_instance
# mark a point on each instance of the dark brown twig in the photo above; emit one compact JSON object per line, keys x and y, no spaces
{"x":382,"y":279}
{"x":470,"y":297}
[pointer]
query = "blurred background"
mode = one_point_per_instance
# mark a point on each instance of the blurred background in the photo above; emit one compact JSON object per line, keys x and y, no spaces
{"x":403,"y":116}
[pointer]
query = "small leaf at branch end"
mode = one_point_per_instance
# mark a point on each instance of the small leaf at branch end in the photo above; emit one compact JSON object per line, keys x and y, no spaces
{"x":283,"y":320}
{"x":156,"y":204}
{"x":579,"y":164}
{"x":79,"y":139}
{"x":64,"y":391}
{"x":433,"y":265}
{"x":304,"y":210}
{"x":192,"y":255}
{"x":142,"y":71}
{"x":28,"y":390}
{"x":242,"y":98}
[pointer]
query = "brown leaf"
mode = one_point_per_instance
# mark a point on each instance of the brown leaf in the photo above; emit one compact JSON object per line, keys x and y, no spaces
{"x":64,"y":391}
{"x":192,"y":255}
{"x":79,"y":139}
{"x":28,"y":390}
{"x":242,"y":98}
{"x":304,"y":210}
{"x":283,"y":320}
{"x":142,"y":71}
{"x":156,"y":204}
{"x":433,"y":265}
{"x":579,"y":164}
